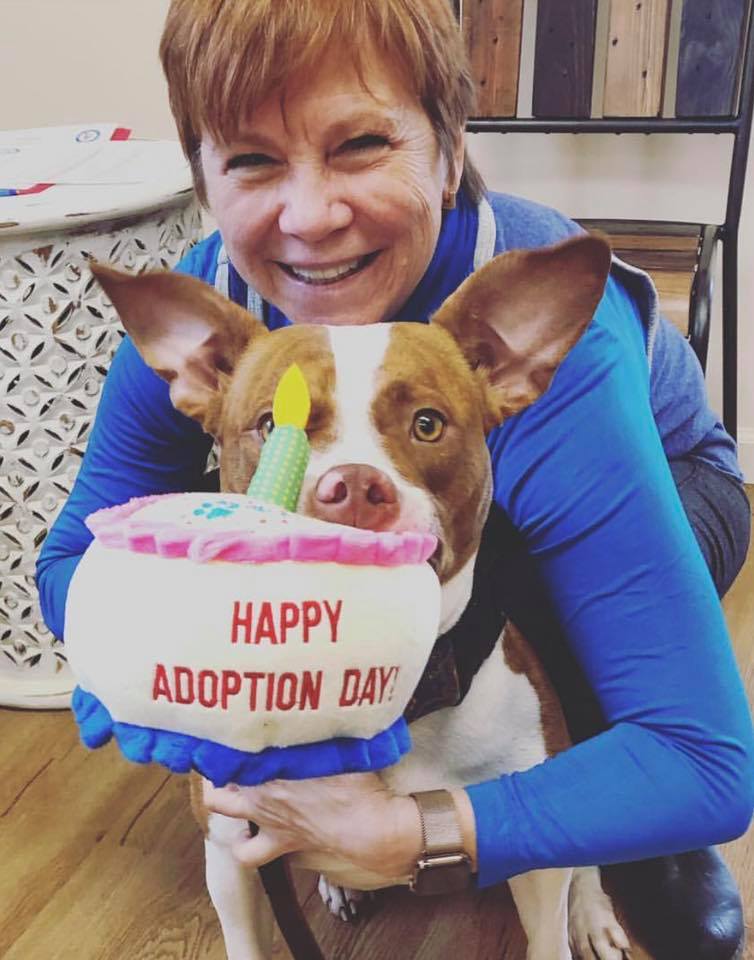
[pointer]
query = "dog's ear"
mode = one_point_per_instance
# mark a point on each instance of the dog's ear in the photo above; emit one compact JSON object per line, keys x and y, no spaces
{"x":187,"y":332}
{"x":519,"y":315}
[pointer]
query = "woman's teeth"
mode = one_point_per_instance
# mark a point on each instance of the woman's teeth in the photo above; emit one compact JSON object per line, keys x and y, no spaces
{"x":327,"y":274}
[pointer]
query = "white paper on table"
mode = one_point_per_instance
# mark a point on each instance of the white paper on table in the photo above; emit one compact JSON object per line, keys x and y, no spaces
{"x":42,"y":154}
{"x":84,"y":156}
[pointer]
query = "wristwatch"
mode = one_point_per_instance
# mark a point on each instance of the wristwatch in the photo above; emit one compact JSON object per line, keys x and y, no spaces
{"x":444,"y":866}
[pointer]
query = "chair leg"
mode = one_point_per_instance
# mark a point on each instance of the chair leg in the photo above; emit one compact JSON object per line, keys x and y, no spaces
{"x":700,"y":305}
{"x":730,"y":332}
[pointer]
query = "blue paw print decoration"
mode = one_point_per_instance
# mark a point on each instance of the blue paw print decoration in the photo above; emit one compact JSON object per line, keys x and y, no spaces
{"x":220,"y":508}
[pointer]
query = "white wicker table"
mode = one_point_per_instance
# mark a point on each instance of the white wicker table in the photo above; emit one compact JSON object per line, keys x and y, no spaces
{"x":57,"y":335}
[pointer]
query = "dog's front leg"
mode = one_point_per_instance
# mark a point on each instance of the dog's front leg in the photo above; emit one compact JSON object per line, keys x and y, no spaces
{"x":541,"y":898}
{"x":237,"y":893}
{"x":593,"y":927}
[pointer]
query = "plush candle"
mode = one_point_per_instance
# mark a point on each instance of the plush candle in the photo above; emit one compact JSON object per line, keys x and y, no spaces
{"x":285,"y":454}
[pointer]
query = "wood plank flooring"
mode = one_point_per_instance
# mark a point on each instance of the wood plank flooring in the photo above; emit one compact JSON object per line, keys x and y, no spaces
{"x":101,"y":860}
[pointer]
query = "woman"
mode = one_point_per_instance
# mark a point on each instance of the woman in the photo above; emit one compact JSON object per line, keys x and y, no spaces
{"x":326,"y":137}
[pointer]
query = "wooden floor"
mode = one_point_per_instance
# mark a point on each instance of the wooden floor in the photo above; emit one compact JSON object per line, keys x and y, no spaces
{"x":100,"y":860}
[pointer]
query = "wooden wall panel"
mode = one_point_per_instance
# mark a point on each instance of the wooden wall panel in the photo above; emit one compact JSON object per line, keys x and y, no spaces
{"x":492,"y":29}
{"x":637,"y":44}
{"x":564,"y":58}
{"x":712,"y":34}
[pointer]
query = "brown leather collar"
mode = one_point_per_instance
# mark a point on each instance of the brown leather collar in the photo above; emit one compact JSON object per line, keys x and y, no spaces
{"x":459,"y":653}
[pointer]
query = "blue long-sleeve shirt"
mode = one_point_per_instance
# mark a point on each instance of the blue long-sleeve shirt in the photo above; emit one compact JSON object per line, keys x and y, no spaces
{"x":583,"y":473}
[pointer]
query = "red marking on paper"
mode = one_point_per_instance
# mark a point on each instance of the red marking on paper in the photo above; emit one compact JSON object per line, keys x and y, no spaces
{"x":37,"y":188}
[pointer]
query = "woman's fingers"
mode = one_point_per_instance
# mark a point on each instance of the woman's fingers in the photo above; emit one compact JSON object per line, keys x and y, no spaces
{"x":232,"y":801}
{"x":258,"y":850}
{"x":247,"y":803}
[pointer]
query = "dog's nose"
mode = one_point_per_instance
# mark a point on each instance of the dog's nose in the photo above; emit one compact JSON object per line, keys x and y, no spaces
{"x":357,"y":495}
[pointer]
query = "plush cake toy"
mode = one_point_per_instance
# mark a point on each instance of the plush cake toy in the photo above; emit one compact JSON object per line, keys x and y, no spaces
{"x":227,"y":634}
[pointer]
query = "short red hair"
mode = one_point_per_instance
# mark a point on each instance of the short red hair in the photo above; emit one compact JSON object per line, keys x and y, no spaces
{"x":221,"y":54}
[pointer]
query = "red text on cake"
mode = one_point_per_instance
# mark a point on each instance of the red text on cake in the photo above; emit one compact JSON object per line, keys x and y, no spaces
{"x":277,"y":623}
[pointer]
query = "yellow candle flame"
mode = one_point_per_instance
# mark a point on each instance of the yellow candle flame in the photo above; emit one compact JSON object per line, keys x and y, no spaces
{"x":291,"y":403}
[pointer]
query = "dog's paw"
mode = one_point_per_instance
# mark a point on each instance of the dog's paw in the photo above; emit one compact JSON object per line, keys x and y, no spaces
{"x":593,"y":928}
{"x":342,"y":901}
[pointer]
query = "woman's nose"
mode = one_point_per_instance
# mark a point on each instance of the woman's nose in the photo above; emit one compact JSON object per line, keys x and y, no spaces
{"x":313,"y":208}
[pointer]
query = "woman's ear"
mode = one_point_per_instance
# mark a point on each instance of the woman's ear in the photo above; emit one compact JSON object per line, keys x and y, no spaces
{"x":455,"y":166}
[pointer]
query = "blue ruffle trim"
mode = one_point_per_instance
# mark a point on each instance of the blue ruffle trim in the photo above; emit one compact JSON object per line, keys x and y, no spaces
{"x":181,"y":753}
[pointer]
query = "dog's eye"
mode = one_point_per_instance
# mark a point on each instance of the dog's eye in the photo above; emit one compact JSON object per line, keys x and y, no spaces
{"x":428,"y":425}
{"x":265,"y":426}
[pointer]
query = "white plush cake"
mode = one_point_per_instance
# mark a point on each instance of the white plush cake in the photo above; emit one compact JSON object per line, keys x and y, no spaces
{"x":230,"y":620}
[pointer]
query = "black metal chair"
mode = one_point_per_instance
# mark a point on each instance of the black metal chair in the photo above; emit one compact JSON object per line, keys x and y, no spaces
{"x":714,"y":81}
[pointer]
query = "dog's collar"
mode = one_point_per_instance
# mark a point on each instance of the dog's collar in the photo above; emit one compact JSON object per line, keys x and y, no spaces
{"x":459,"y":653}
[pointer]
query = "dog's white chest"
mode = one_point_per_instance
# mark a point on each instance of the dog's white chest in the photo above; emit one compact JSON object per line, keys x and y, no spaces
{"x":496,"y":729}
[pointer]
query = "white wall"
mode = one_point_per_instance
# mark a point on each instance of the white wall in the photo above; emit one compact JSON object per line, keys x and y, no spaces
{"x":69,"y":61}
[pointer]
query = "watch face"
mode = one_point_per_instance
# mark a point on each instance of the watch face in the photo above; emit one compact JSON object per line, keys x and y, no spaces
{"x":442,"y":876}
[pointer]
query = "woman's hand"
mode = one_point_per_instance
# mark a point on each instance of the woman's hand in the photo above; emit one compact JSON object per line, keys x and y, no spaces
{"x":352,"y":817}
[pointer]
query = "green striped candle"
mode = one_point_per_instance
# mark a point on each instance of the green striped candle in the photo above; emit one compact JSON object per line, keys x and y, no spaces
{"x":285,"y":454}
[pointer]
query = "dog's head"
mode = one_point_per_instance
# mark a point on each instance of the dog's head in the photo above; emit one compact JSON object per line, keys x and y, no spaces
{"x":399,"y":412}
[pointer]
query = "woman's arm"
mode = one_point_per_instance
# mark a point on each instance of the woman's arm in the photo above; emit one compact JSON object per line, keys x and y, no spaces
{"x":583,"y":474}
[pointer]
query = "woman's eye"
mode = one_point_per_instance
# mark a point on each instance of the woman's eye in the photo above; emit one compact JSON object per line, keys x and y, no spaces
{"x":428,"y":425}
{"x":368,"y":141}
{"x":244,"y":161}
{"x":265,"y":426}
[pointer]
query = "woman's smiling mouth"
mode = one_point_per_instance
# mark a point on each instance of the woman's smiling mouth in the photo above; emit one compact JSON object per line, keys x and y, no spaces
{"x":327,"y":275}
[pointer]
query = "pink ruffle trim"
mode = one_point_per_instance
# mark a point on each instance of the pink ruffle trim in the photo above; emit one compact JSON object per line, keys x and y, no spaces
{"x":113,"y":527}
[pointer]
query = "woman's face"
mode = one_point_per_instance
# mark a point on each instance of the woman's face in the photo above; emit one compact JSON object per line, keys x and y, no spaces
{"x":330,"y":200}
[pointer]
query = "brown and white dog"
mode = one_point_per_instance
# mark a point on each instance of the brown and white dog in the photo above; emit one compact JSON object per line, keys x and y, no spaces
{"x":397,"y":431}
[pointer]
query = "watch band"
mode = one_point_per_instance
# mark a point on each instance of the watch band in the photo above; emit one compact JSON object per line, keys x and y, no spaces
{"x":444,"y":866}
{"x":441,"y":832}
